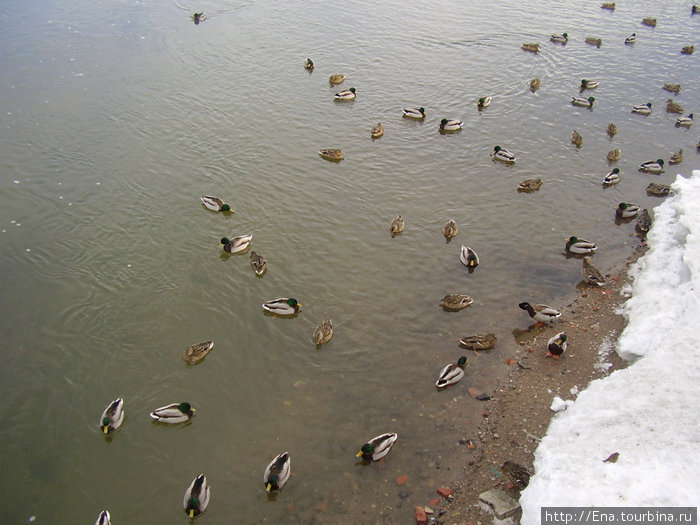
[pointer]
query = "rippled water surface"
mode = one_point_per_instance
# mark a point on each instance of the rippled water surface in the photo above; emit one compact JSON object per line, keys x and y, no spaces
{"x":116,"y":116}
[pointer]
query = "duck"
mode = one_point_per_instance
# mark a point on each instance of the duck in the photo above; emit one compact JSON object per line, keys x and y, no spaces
{"x":531,"y":47}
{"x":417,"y":113}
{"x":540,"y":312}
{"x":396,"y":226}
{"x":277,"y":472}
{"x":199,"y":17}
{"x":673,"y":88}
{"x":688,"y":50}
{"x":676,"y":158}
{"x":584,"y":102}
{"x":611,"y":130}
{"x":113,"y":416}
{"x":377,"y":131}
{"x":173,"y":413}
{"x":614,"y":155}
{"x":556,"y":346}
{"x":483,"y":102}
{"x":591,"y":274}
{"x":580,"y":246}
{"x":323,"y":332}
{"x":503,"y":155}
{"x":468,"y":257}
{"x":651,"y":22}
{"x":197,"y":496}
{"x":576,"y":139}
{"x":258,"y":263}
{"x":612,"y":178}
{"x":236,"y":244}
{"x":652,"y":166}
{"x":196,"y":352}
{"x":535,"y":84}
{"x":589,"y":84}
{"x":378,"y":447}
{"x":450,"y":125}
{"x":215,"y":204}
{"x":336,"y":79}
{"x":642,"y":109}
{"x":685,"y":122}
{"x":673,"y":107}
{"x":631,"y":39}
{"x":660,"y":190}
{"x":282,"y":306}
{"x":104,"y":518}
{"x":560,"y":39}
{"x":309,"y":64}
{"x":608,"y":5}
{"x":478,"y":341}
{"x":451,"y":373}
{"x":347,"y":94}
{"x":530,"y":185}
{"x":626,"y":210}
{"x":456,"y":301}
{"x":595,"y":41}
{"x":450,"y":229}
{"x":643,"y":221}
{"x":331,"y":154}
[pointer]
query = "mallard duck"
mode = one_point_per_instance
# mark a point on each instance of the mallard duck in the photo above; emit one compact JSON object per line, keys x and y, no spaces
{"x":517,"y":474}
{"x":347,"y":94}
{"x":580,"y":246}
{"x":612,"y":178}
{"x":450,"y":125}
{"x":396,"y":226}
{"x":236,"y":244}
{"x":688,"y":50}
{"x":660,"y":190}
{"x":336,"y":79}
{"x":309,"y":64}
{"x":277,"y":472}
{"x":531,"y":47}
{"x":282,"y":306}
{"x":478,"y":341}
{"x":584,"y":102}
{"x":611,"y":130}
{"x":503,"y":155}
{"x":540,"y":312}
{"x":323,"y":332}
{"x":530,"y":185}
{"x":483,"y":102}
{"x":417,"y":113}
{"x":331,"y":154}
{"x":103,"y":518}
{"x":673,"y":107}
{"x":626,"y":210}
{"x":451,"y":373}
{"x":377,"y":131}
{"x":614,"y":155}
{"x":258,"y":263}
{"x":199,"y":17}
{"x":651,"y":22}
{"x":631,"y":39}
{"x":450,"y":229}
{"x":643,"y":221}
{"x":673,"y":88}
{"x":376,"y":448}
{"x":642,"y":109}
{"x":113,"y":416}
{"x":677,"y":157}
{"x":468,"y":257}
{"x":591,"y":274}
{"x":196,"y":497}
{"x":173,"y":413}
{"x":594,"y":41}
{"x":535,"y":84}
{"x":608,"y":5}
{"x":215,"y":204}
{"x":556,"y":346}
{"x":685,"y":122}
{"x":652,"y":166}
{"x":576,"y":139}
{"x":456,"y":301}
{"x":589,"y":84}
{"x":560,"y":39}
{"x":195,"y":353}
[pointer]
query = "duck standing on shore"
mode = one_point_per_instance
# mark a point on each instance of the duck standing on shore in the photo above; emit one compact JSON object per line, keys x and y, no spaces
{"x":556,"y":346}
{"x":591,"y":274}
{"x":541,"y":313}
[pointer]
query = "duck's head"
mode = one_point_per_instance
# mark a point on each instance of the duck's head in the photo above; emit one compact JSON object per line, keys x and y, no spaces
{"x":293,"y":303}
{"x":186,"y":408}
{"x":649,"y":105}
{"x":106,"y":422}
{"x":193,"y":507}
{"x":226,"y":207}
{"x":524,"y":305}
{"x":660,"y":161}
{"x":422,"y":110}
{"x":584,"y":82}
{"x":481,"y":100}
{"x":444,"y":121}
{"x":366,"y":449}
{"x":565,"y":35}
{"x":462,"y":361}
{"x":622,"y":205}
{"x":271,"y":482}
{"x":616,"y":171}
{"x":573,"y":240}
{"x":690,"y":116}
{"x":591,"y":99}
{"x":225,"y":241}
{"x":561,"y":339}
{"x":352,"y":90}
{"x":471,"y":259}
{"x":497,"y":149}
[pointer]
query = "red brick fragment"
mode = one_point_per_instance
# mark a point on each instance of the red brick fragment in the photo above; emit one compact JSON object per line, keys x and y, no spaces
{"x":421,"y":517}
{"x":445,"y":492}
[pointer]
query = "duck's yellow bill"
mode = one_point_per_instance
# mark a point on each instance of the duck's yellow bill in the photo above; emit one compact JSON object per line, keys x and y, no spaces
{"x":269,"y":486}
{"x":191,"y":513}
{"x":358,"y":454}
{"x":105,"y":429}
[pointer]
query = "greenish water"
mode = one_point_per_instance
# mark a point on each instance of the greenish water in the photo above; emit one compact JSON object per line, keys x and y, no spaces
{"x":116,"y":117}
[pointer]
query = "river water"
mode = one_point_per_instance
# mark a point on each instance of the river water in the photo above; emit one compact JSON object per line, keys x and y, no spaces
{"x":116,"y":116}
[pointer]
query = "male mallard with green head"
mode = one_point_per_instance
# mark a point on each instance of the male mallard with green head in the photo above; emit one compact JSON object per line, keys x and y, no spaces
{"x":277,"y":472}
{"x":451,"y":373}
{"x":173,"y":413}
{"x":378,"y":447}
{"x":196,"y":497}
{"x":113,"y":416}
{"x":282,"y":306}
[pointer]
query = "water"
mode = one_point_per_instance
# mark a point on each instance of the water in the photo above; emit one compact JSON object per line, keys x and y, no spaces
{"x":116,"y":117}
